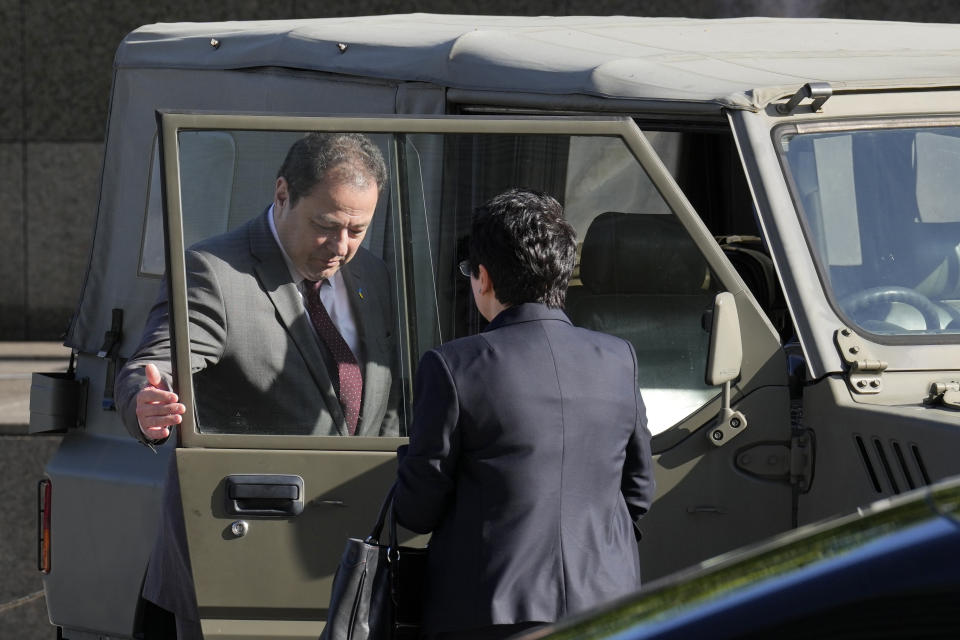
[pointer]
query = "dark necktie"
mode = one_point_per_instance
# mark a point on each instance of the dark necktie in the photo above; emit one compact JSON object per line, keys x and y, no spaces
{"x":349,"y":383}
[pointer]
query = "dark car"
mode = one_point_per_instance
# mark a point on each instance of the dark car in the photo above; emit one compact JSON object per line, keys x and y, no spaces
{"x":890,"y":571}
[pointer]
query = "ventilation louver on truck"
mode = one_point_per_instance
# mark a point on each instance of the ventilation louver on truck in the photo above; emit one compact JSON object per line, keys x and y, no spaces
{"x":892,"y":467}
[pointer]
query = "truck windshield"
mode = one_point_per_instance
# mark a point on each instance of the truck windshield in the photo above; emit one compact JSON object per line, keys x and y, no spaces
{"x":881,"y":208}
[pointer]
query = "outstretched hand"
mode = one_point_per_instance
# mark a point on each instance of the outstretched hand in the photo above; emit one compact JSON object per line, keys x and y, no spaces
{"x":158,"y":408}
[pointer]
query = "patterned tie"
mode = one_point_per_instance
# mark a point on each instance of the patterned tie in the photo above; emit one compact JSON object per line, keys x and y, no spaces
{"x":349,"y":383}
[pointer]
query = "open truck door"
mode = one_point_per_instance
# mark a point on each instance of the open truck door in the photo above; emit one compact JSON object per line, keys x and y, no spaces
{"x":648,"y":271}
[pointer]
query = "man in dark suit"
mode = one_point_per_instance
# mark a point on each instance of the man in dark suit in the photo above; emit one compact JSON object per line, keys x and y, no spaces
{"x":290,"y":333}
{"x":529,"y":456}
{"x":260,"y":364}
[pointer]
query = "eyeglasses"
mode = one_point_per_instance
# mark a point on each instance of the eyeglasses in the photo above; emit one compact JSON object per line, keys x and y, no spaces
{"x":464,"y":267}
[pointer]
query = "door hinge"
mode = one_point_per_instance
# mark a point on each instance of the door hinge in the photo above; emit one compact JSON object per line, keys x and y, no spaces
{"x":802,"y":455}
{"x":787,"y":462}
{"x":765,"y":461}
{"x":945,"y":393}
{"x":863,"y":372}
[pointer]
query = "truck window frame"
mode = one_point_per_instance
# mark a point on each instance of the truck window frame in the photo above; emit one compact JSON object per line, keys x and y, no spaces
{"x":170,"y":123}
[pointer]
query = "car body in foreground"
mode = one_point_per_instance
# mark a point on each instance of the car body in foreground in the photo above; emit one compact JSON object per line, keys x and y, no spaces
{"x":890,"y":571}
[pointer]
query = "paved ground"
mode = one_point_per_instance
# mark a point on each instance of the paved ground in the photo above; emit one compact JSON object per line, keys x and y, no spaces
{"x":23,"y":613}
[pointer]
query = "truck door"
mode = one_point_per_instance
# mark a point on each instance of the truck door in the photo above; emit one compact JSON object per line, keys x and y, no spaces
{"x":266,"y":511}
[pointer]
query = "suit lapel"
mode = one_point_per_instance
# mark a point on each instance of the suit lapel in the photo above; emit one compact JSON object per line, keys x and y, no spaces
{"x":275,"y":279}
{"x":370,"y":330}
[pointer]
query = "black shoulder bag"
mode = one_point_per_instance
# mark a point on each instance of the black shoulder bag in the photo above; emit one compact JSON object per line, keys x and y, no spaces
{"x":377,"y":590}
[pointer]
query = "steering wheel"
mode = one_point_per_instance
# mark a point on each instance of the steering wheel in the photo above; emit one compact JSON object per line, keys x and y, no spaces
{"x":885,"y":295}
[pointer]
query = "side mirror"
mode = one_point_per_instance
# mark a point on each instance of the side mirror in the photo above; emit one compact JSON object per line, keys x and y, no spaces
{"x":726,"y":348}
{"x":724,"y":360}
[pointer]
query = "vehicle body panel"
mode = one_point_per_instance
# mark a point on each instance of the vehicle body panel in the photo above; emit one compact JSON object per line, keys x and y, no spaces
{"x":230,"y":576}
{"x":867,"y":450}
{"x":106,"y":497}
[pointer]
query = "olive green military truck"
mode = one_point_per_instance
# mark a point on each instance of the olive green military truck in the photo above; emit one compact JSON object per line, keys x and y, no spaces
{"x":808,"y":169}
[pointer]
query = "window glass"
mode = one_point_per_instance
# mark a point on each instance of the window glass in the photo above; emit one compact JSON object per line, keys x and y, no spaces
{"x":639,"y":274}
{"x":227,"y":181}
{"x":207,"y":160}
{"x":880,"y":210}
{"x":938,"y":190}
{"x":707,"y":167}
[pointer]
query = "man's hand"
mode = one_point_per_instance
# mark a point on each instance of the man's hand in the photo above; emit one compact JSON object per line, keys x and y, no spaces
{"x":157,"y":406}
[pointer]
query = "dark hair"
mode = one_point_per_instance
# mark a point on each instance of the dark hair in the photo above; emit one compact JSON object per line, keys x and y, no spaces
{"x":349,"y":158}
{"x":527,"y":246}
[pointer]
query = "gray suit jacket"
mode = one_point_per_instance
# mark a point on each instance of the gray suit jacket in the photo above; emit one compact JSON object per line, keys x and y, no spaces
{"x":529,"y":460}
{"x":258,"y":365}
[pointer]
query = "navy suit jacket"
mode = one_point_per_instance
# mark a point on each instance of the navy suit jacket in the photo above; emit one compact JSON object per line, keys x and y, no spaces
{"x":529,"y":460}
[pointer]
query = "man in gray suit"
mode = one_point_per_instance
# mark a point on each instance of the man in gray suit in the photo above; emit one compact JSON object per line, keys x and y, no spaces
{"x":261,"y":363}
{"x":529,"y":455}
{"x":290,"y":333}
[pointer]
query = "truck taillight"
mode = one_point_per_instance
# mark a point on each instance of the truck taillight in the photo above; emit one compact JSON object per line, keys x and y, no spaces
{"x":43,"y":524}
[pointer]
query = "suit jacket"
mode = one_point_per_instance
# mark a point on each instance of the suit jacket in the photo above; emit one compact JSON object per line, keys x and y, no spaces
{"x":529,"y":460}
{"x":258,"y":365}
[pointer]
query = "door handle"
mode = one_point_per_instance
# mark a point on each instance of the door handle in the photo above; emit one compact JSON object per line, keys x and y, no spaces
{"x":271,"y":495}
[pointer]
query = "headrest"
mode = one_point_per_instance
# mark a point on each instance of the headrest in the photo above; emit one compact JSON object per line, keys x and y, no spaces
{"x":641,"y":253}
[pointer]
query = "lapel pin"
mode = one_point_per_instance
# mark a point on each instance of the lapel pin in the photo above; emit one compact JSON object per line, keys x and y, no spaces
{"x":360,"y":292}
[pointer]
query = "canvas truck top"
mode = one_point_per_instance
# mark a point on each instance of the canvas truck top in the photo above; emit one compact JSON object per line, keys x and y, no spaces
{"x":737,"y":63}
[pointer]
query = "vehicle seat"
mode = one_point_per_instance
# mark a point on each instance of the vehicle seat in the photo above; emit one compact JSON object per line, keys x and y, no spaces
{"x":751,"y":260}
{"x":644,"y":279}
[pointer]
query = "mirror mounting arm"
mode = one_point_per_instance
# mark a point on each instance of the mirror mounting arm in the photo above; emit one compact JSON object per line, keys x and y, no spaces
{"x":724,"y":362}
{"x":729,"y":423}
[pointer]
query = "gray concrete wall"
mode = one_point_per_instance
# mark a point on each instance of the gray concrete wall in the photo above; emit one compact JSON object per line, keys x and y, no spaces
{"x":23,"y":612}
{"x":56,"y":80}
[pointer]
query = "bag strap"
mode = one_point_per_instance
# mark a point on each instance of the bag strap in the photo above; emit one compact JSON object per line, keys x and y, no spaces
{"x":392,"y":543}
{"x":382,"y":517}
